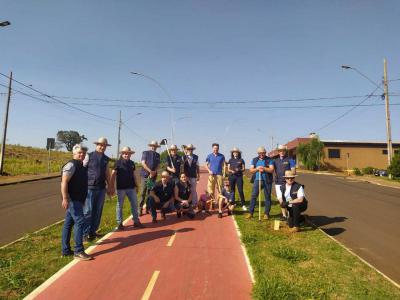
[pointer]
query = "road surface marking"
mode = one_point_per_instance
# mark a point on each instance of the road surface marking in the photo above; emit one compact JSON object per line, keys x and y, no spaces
{"x":150,"y":286}
{"x":171,"y":240}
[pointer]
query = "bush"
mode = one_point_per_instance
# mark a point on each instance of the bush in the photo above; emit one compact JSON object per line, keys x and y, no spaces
{"x":368,"y":170}
{"x":356,"y":171}
{"x":394,"y":168}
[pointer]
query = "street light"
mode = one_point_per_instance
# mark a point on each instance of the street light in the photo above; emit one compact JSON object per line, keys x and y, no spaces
{"x":166,"y":93}
{"x":386,"y":95}
{"x":4,"y":23}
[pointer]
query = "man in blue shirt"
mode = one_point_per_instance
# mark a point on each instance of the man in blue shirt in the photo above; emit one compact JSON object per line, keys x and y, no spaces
{"x":262,"y":167}
{"x":282,"y":164}
{"x":215,"y":166}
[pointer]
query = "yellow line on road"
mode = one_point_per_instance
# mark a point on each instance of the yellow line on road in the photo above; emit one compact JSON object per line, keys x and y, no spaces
{"x":150,"y":286}
{"x":171,"y":240}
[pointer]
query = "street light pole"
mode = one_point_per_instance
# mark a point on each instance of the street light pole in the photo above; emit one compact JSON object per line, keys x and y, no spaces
{"x":119,"y":134}
{"x":3,"y":143}
{"x":388,"y":127}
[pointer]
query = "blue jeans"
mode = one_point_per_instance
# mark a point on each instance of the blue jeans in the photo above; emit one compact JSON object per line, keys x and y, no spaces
{"x":154,"y":206}
{"x":73,"y":218}
{"x":267,"y":187}
{"x":92,"y":211}
{"x":131,"y":194}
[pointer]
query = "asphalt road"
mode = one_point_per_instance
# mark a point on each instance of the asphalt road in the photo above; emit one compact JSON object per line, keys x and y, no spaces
{"x":27,"y":207}
{"x":363,"y":216}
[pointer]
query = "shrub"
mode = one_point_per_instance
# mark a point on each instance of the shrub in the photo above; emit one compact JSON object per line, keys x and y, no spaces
{"x":356,"y":171}
{"x":394,"y":168}
{"x":368,"y":170}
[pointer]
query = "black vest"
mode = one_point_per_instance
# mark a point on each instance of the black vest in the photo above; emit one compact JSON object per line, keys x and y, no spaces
{"x":177,"y":161}
{"x":190,"y":170}
{"x":281,"y":165}
{"x":183,"y":191}
{"x":97,"y":167}
{"x":293,"y":191}
{"x":125,"y":177}
{"x":78,"y":184}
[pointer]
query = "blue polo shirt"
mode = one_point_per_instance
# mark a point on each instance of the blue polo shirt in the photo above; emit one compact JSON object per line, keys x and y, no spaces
{"x":215,"y":163}
{"x":267,"y":177}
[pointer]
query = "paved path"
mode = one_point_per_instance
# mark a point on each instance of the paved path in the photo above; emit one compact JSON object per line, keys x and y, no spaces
{"x":363,"y":216}
{"x":196,"y":259}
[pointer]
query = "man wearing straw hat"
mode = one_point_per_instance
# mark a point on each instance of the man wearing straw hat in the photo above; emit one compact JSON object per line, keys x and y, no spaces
{"x":174,"y":162}
{"x":236,"y":167}
{"x":150,"y":164}
{"x":262,"y":167}
{"x":282,"y":164}
{"x":99,"y":177}
{"x":192,"y":170}
{"x":215,"y":165}
{"x":124,"y":173}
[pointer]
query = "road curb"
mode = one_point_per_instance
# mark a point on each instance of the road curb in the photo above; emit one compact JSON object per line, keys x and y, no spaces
{"x":29,"y":180}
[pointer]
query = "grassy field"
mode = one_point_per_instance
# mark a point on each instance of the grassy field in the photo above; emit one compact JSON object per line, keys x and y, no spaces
{"x":21,"y":160}
{"x":306,"y":265}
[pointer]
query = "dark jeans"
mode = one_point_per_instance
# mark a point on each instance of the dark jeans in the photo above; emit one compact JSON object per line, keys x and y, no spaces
{"x":295,"y":216}
{"x":267,"y":187}
{"x":154,"y":206}
{"x":73,"y":218}
{"x":93,"y":210}
{"x":144,"y":190}
{"x":237,"y":180}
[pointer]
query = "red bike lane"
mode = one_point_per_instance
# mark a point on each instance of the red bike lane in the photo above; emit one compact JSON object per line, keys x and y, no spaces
{"x":173,"y":259}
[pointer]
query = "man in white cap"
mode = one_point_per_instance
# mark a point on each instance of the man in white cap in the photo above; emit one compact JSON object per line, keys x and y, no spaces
{"x":174,"y":162}
{"x":261,"y":167}
{"x":99,"y":177}
{"x":74,"y":188}
{"x":282,"y":164}
{"x":124,"y":173}
{"x":150,"y":165}
{"x":191,"y":169}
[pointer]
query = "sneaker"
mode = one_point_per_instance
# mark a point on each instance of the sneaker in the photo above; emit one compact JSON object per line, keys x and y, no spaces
{"x":67,"y":253}
{"x":283,"y":218}
{"x":266,"y":217}
{"x":249,"y":216}
{"x":82,"y":256}
{"x":138,"y":225}
{"x":154,"y":221}
{"x":178,"y":214}
{"x":220,"y":215}
{"x":120,"y":227}
{"x":244,"y":208}
{"x":90,"y":238}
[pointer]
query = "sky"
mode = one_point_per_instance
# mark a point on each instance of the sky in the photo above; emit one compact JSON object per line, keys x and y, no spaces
{"x":241,"y":73}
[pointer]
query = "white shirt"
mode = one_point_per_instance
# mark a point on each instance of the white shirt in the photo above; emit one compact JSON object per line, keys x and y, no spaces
{"x":300,"y":193}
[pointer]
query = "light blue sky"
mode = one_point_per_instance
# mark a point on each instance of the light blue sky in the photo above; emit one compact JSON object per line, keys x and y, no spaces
{"x":200,"y":51}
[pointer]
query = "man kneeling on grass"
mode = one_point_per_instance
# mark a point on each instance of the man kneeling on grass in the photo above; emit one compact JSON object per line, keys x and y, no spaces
{"x":161,"y":196}
{"x":226,"y":199}
{"x":291,"y":196}
{"x":74,"y":189}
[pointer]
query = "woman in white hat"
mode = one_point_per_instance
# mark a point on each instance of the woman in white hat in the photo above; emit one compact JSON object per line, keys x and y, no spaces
{"x":236,"y":167}
{"x":124,"y":173}
{"x":291,"y":196}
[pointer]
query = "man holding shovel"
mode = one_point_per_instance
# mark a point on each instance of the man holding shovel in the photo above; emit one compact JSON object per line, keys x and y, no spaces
{"x":261,"y":167}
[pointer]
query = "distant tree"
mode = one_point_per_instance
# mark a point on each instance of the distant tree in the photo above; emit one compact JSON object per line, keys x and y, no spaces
{"x":70,"y":138}
{"x":394,"y":168}
{"x":310,"y":154}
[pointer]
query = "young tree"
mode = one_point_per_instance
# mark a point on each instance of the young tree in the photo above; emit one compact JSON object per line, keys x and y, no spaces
{"x":70,"y":138}
{"x":394,"y":168}
{"x":310,"y":154}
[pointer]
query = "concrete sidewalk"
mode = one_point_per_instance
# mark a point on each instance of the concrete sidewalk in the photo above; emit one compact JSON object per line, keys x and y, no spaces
{"x":173,"y":259}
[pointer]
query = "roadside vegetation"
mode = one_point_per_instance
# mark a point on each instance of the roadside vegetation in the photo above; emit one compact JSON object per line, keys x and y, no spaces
{"x":22,"y":160}
{"x":305,"y":265}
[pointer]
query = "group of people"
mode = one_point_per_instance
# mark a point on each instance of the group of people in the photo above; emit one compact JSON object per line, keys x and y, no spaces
{"x":87,"y":178}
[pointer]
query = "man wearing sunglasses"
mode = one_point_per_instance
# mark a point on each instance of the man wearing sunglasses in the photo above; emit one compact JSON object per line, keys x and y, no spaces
{"x":161,"y":196}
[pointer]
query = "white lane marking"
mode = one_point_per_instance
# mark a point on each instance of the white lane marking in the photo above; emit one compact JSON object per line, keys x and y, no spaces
{"x":150,"y":286}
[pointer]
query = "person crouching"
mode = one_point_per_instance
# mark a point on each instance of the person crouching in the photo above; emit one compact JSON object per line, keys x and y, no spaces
{"x":161,"y":196}
{"x":226,"y":199}
{"x":183,"y":197}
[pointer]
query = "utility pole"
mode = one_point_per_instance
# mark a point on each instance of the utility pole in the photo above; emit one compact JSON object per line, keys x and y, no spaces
{"x":3,"y":143}
{"x":388,"y":127}
{"x":119,"y":133}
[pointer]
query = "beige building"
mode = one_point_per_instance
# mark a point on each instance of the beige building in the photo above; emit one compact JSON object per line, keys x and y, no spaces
{"x":346,"y":155}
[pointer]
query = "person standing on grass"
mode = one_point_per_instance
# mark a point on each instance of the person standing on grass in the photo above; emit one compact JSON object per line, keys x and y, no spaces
{"x":191,"y":169}
{"x":124,"y":173}
{"x":236,"y":167}
{"x":174,"y":163}
{"x":150,"y":164}
{"x":291,"y":196}
{"x":161,"y":196}
{"x":215,"y":165}
{"x":74,"y":189}
{"x":226,"y":199}
{"x":282,"y":164}
{"x":99,"y":178}
{"x":261,"y":167}
{"x":183,"y":197}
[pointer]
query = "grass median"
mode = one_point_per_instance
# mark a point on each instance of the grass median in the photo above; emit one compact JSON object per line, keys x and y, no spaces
{"x":26,"y":264}
{"x":305,"y":265}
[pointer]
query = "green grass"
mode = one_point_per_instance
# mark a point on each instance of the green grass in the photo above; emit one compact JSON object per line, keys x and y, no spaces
{"x":28,"y":263}
{"x":305,"y":265}
{"x":21,"y":160}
